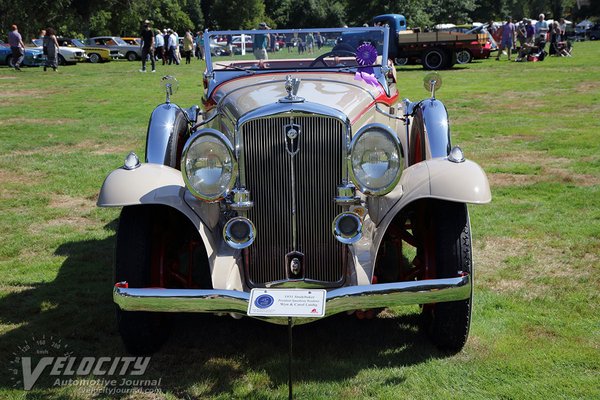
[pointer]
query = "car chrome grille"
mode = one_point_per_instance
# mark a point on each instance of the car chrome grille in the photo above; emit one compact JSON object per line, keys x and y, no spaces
{"x":268,"y":176}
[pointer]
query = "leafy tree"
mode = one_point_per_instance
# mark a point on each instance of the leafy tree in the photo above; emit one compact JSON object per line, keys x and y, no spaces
{"x":238,"y":15}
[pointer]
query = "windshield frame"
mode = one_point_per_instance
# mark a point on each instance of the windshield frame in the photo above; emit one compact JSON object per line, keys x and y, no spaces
{"x":209,"y":35}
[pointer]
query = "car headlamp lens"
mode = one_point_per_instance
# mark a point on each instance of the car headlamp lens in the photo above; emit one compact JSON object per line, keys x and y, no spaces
{"x":376,"y":160}
{"x":208,"y":165}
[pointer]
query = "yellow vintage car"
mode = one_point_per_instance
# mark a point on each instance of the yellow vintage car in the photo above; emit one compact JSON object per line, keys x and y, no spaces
{"x":95,"y":54}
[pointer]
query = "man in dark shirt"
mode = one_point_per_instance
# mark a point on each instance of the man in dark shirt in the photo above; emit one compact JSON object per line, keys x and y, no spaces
{"x":147,"y":47}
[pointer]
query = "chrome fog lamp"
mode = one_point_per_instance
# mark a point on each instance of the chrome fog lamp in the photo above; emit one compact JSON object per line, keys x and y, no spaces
{"x":375,"y":160}
{"x":347,"y":227}
{"x":239,"y":232}
{"x":208,"y":165}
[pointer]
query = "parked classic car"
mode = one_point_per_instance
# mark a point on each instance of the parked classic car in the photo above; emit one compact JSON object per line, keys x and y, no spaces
{"x":33,"y":57}
{"x":95,"y":54}
{"x":298,"y":174}
{"x":66,"y":55}
{"x":114,"y":43}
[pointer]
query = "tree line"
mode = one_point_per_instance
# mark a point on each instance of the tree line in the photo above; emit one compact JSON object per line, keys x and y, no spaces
{"x":80,"y":18}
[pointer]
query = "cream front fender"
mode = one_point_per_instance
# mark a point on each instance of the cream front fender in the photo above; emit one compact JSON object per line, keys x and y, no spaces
{"x":148,"y":184}
{"x":156,"y":184}
{"x":463,"y":182}
{"x":160,"y":184}
{"x":438,"y":178}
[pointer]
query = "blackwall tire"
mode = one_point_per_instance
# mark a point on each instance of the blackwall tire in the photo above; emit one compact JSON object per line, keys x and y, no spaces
{"x":95,"y":58}
{"x":434,"y":59}
{"x":131,"y":56}
{"x":143,"y":333}
{"x":448,"y":323}
{"x":176,"y":142}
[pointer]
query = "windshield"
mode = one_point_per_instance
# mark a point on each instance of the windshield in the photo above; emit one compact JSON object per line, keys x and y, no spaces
{"x":77,"y":42}
{"x":296,"y":49}
{"x":119,"y":41}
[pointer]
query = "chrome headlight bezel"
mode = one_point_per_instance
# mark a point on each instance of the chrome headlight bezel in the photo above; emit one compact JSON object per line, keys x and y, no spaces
{"x":228,"y":147}
{"x":364,"y":187}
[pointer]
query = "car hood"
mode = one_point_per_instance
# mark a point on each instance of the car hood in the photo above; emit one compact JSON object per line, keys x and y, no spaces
{"x":339,"y":91}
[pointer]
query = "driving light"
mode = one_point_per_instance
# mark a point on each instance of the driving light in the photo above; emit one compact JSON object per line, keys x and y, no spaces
{"x":347,"y":227}
{"x":239,"y":232}
{"x":375,"y":160}
{"x":208,"y":165}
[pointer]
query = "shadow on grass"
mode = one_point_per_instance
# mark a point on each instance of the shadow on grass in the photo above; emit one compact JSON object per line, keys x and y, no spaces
{"x":206,"y":355}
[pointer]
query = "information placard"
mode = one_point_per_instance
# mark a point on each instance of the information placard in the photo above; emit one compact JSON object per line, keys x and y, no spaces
{"x":287,"y":303}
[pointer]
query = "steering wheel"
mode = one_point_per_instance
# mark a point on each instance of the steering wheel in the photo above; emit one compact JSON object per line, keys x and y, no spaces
{"x":339,"y":52}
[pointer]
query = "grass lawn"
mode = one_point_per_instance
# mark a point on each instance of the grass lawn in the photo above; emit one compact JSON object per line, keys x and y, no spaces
{"x":534,"y":128}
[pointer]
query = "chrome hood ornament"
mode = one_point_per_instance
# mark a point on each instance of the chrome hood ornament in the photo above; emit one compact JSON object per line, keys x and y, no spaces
{"x":291,"y":86}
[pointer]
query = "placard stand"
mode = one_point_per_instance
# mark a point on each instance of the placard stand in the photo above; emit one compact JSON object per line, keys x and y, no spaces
{"x":302,"y":303}
{"x":290,"y":395}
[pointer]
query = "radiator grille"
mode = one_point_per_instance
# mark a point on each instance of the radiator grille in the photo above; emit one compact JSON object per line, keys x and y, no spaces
{"x":268,"y":174}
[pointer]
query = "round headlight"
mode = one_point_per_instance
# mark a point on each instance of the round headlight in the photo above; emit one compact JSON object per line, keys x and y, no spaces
{"x":208,"y":165}
{"x":375,"y":160}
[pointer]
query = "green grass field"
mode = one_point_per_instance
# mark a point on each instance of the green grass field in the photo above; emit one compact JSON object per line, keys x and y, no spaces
{"x":534,"y":128}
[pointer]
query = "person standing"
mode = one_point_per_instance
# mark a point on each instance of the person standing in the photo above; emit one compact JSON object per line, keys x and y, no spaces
{"x":508,"y":38}
{"x":261,"y":43}
{"x":541,"y":29}
{"x":310,"y":43}
{"x":17,"y":47}
{"x":159,"y":45}
{"x":166,"y":36}
{"x":147,"y":48}
{"x":198,"y":45}
{"x":50,"y":49}
{"x":188,"y":46}
{"x":173,"y":45}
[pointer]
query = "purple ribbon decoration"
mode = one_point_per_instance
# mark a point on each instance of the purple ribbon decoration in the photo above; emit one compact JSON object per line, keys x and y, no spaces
{"x":366,"y":55}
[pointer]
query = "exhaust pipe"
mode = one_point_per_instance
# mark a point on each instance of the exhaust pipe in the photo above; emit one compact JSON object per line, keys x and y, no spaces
{"x":239,"y":232}
{"x":347,"y":227}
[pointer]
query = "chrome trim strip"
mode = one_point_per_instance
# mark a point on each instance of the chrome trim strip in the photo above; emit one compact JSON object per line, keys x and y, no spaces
{"x":338,"y":300}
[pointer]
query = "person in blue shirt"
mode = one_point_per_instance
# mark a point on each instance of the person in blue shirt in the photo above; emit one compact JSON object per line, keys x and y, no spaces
{"x":261,"y":43}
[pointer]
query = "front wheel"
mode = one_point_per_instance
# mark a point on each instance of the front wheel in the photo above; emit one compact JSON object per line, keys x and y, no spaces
{"x":131,"y":56}
{"x":463,"y":57}
{"x":448,"y":248}
{"x":142,"y":333}
{"x":61,"y":60}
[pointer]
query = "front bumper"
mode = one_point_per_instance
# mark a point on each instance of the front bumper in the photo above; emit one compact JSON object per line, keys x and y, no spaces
{"x":338,"y":300}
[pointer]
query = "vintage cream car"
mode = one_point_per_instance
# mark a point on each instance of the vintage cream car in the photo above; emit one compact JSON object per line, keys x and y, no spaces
{"x":297,"y":174}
